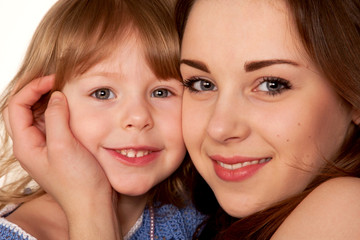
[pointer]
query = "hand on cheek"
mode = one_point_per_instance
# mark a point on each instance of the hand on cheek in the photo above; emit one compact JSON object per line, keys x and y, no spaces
{"x":71,"y":164}
{"x":55,"y":159}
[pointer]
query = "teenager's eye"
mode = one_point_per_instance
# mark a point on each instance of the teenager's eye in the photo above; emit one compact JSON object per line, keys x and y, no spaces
{"x":103,"y":94}
{"x":273,"y":85}
{"x":161,"y":93}
{"x":199,"y":85}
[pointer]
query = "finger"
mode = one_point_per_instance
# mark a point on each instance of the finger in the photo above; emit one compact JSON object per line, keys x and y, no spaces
{"x":19,"y":108}
{"x":57,"y":122}
{"x":32,"y":92}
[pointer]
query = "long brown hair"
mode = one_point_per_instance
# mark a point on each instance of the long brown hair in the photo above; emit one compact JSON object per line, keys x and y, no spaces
{"x":330,"y":33}
{"x":72,"y":37}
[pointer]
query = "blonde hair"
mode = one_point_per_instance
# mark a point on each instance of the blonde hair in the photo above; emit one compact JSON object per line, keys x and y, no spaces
{"x":72,"y":37}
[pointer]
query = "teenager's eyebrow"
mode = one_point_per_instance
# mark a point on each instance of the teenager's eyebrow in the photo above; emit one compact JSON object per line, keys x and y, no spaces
{"x":248,"y":66}
{"x":195,"y":64}
{"x":256,"y":65}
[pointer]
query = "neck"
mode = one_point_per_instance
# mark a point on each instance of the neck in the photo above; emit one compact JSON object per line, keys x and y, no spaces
{"x":129,"y":210}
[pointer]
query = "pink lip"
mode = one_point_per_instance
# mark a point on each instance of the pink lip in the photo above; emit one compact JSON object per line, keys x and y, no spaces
{"x":135,"y":161}
{"x":234,"y":175}
{"x":233,"y":160}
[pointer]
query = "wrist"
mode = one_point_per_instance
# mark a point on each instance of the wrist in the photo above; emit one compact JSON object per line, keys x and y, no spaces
{"x":94,"y":220}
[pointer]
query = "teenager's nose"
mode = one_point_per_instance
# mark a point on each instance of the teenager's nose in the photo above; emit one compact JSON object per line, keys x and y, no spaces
{"x":228,"y":122}
{"x":136,"y":114}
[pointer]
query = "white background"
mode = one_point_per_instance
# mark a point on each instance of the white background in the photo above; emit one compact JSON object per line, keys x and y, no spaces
{"x":18,"y":21}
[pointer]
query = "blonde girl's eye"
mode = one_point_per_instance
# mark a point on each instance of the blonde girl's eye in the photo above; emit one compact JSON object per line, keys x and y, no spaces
{"x":103,"y":94}
{"x":161,"y":93}
{"x":196,"y":84}
{"x":273,"y":85}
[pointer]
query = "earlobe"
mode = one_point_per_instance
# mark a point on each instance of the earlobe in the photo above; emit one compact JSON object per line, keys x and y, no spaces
{"x":356,"y":116}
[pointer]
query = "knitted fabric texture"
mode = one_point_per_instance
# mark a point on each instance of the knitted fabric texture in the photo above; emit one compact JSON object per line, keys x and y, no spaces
{"x":10,"y":231}
{"x":171,"y":223}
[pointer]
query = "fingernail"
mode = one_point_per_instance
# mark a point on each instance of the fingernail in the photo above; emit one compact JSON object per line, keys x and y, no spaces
{"x":55,"y":98}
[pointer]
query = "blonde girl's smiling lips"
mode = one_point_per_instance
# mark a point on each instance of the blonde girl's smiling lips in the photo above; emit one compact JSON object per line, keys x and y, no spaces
{"x":131,"y":153}
{"x":135,"y":156}
{"x":237,"y":168}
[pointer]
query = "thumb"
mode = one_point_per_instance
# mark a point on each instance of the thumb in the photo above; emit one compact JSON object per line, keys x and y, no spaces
{"x":57,"y":121}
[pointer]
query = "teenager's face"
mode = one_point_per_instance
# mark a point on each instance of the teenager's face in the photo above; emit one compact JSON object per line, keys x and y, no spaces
{"x":128,"y":119}
{"x":258,"y":118}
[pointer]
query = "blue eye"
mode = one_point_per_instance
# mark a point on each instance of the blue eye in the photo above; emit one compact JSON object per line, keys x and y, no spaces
{"x":199,"y":85}
{"x":103,"y":94}
{"x":161,"y":93}
{"x":273,"y":85}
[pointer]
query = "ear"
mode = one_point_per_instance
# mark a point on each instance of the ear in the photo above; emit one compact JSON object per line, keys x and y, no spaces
{"x":356,"y":116}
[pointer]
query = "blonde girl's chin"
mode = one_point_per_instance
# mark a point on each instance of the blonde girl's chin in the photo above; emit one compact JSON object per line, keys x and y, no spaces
{"x":132,"y":190}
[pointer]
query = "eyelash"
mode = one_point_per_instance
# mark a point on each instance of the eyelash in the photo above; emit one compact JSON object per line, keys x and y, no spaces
{"x":112,"y":95}
{"x":168,"y":94}
{"x":110,"y":92}
{"x":189,"y":83}
{"x":285,"y":85}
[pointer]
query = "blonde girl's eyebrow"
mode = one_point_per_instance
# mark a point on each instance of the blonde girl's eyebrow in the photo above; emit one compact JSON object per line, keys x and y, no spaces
{"x":256,"y":65}
{"x":195,"y":64}
{"x":105,"y":74}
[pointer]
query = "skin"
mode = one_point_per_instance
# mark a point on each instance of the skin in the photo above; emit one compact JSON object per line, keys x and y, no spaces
{"x":335,"y":207}
{"x":331,"y":211}
{"x":136,"y":113}
{"x":84,"y":212}
{"x":132,"y":115}
{"x":118,"y":104}
{"x":252,"y":94}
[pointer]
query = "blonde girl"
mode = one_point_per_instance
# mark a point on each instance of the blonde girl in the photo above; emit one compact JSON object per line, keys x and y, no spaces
{"x":103,"y":149}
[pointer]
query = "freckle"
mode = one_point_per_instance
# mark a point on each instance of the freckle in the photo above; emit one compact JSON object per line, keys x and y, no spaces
{"x":288,"y":140}
{"x":307,"y":156}
{"x":299,"y":124}
{"x":309,"y":136}
{"x":277,"y":135}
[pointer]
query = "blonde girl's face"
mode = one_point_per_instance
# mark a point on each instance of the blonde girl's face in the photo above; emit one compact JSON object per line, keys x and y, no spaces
{"x":128,"y":119}
{"x":259,"y":119}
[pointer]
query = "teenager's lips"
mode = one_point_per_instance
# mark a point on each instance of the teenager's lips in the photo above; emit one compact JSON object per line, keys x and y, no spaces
{"x":236,"y":159}
{"x":237,"y":168}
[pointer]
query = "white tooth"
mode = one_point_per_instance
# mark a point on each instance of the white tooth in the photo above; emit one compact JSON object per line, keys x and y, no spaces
{"x":131,"y":153}
{"x":228,"y":166}
{"x":237,"y":165}
{"x":123,"y":152}
{"x":254,"y":162}
{"x":140,"y":154}
{"x":246,"y":164}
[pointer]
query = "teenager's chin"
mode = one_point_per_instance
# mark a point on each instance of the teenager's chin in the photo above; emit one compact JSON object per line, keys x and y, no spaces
{"x":240,"y":210}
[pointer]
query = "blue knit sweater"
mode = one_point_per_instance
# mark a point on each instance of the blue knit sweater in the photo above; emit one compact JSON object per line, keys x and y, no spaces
{"x":171,"y":223}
